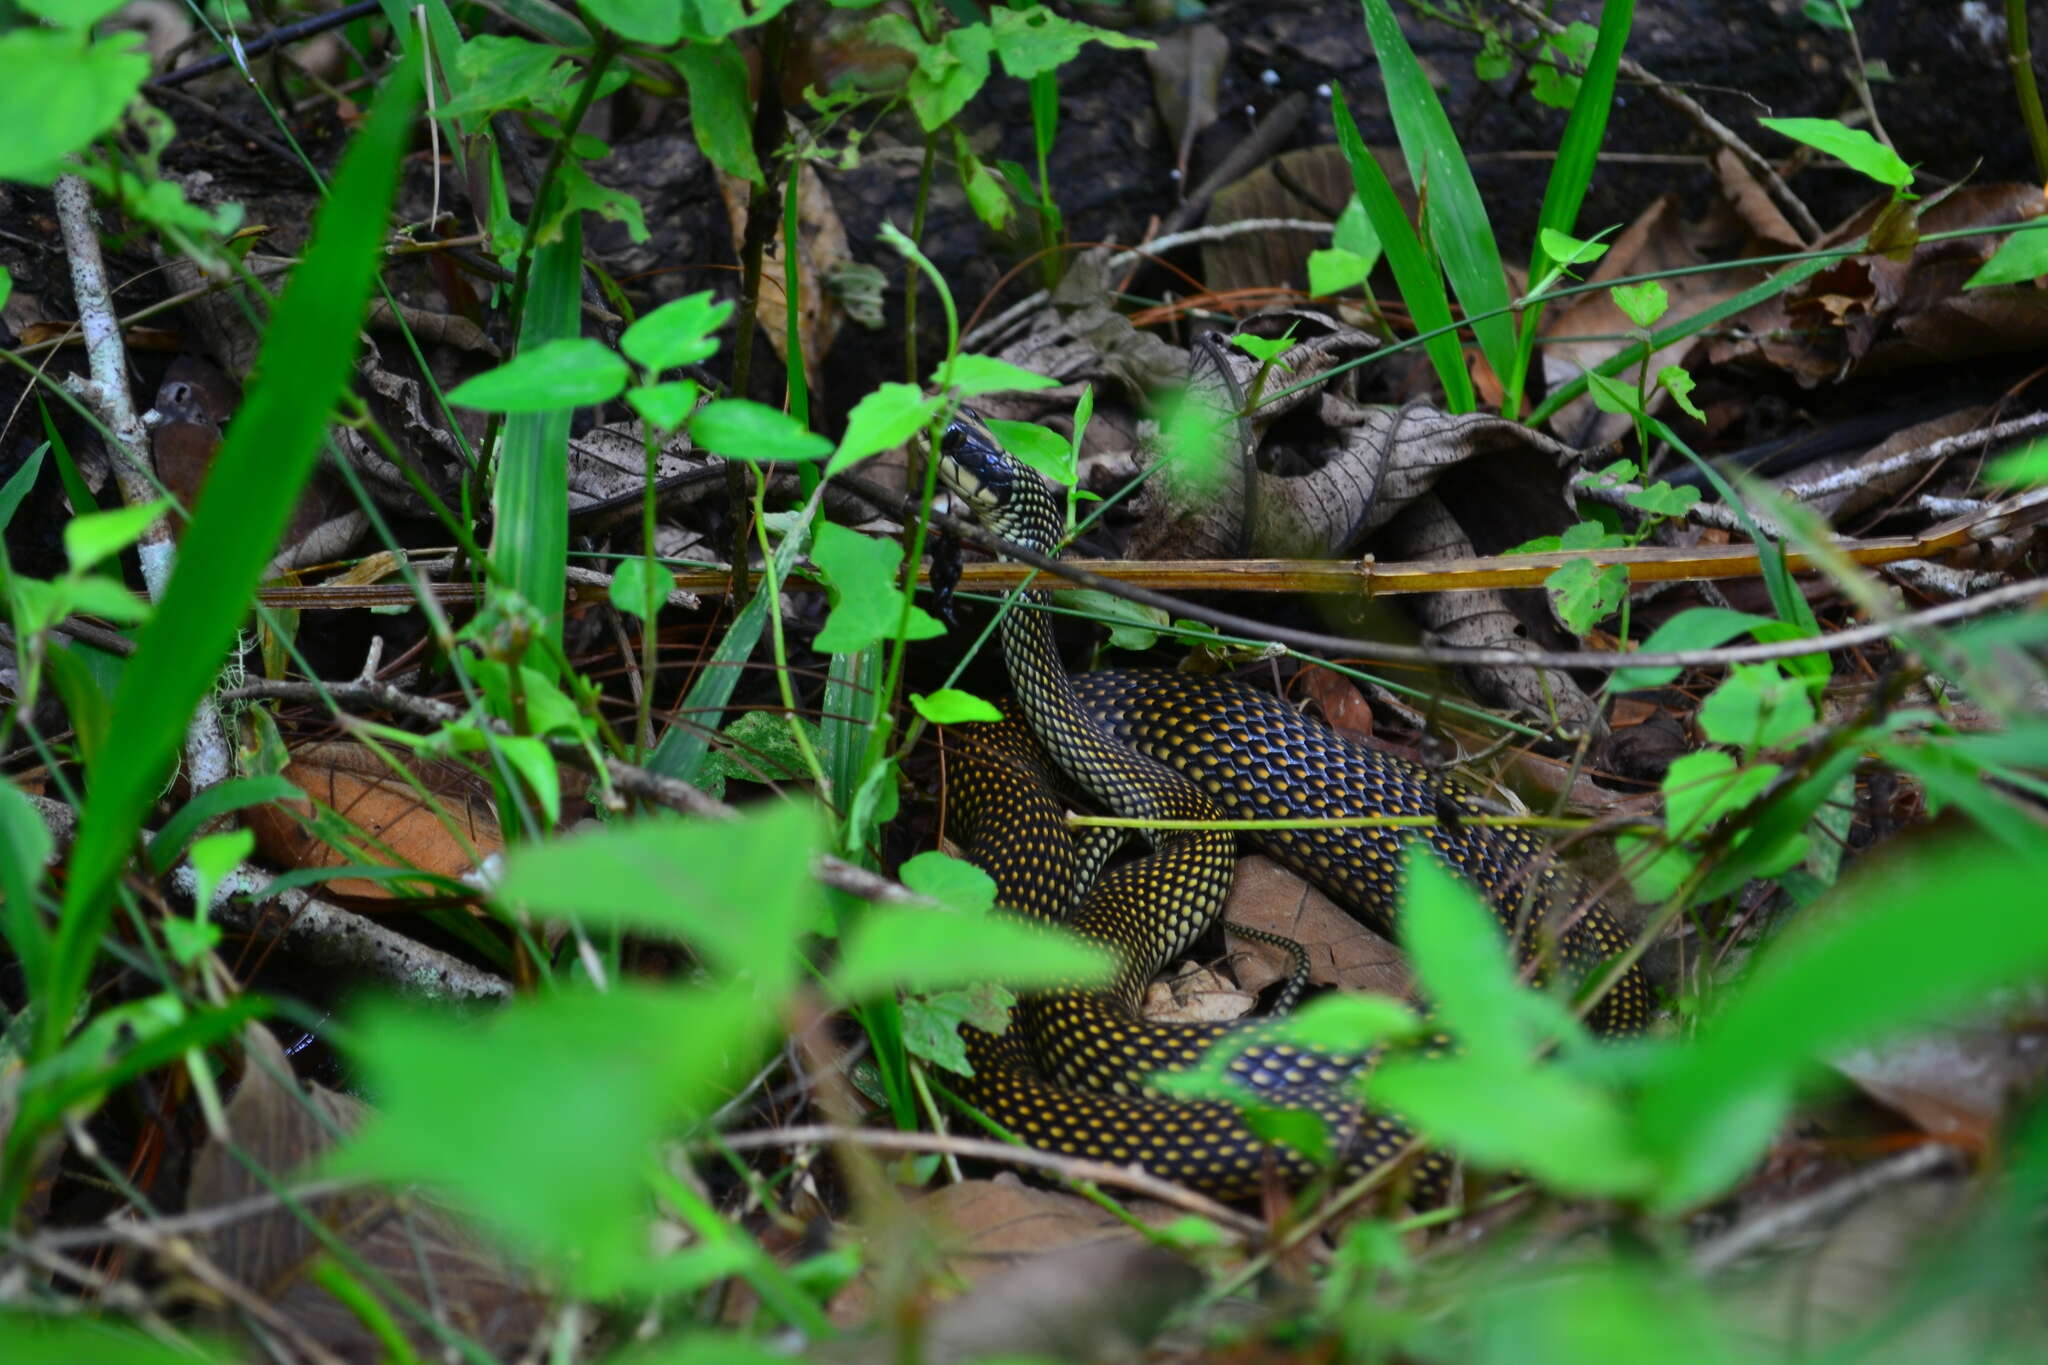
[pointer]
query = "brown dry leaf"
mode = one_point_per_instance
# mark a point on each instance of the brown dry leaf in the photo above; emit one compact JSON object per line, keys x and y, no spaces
{"x":821,"y":247}
{"x":397,"y":829}
{"x":1197,"y":995}
{"x":1960,"y":1084}
{"x":1341,"y":951}
{"x":424,"y":1251}
{"x":1344,"y":707}
{"x":1752,"y":203}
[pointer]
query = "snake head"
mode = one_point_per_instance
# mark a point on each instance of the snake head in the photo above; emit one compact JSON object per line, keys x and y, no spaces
{"x":973,"y":463}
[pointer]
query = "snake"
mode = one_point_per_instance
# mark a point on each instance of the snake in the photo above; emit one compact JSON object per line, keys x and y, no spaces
{"x":1071,"y":1074}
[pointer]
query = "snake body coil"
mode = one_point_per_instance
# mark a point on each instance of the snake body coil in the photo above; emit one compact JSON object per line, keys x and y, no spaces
{"x":1069,"y":1074}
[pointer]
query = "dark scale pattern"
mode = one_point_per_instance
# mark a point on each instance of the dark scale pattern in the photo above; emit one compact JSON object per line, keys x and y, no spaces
{"x":1176,"y":747}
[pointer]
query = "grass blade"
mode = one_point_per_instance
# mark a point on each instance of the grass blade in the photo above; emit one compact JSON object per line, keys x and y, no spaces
{"x":530,"y":537}
{"x":1572,"y":173}
{"x":1457,"y":217}
{"x":1422,"y":288}
{"x":269,"y":452}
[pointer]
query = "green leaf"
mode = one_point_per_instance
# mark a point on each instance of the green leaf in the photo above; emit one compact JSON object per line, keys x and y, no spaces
{"x":2023,"y":467}
{"x":1694,"y":628}
{"x":1265,"y":350}
{"x":948,"y":72}
{"x":1566,"y":250}
{"x":918,"y":949}
{"x":1042,"y":448}
{"x":25,"y":850}
{"x":1642,"y":303}
{"x":543,"y":1118}
{"x":1701,"y":788}
{"x":739,"y":890}
{"x":952,"y":882}
{"x":1034,"y":40}
{"x":1661,"y":499}
{"x":1458,"y":225}
{"x":497,"y":73}
{"x":104,"y":597}
{"x":1756,"y":707}
{"x":556,"y":376}
{"x":1552,"y":82}
{"x":1131,"y":625}
{"x":23,"y":478}
{"x":1422,"y":287}
{"x":1612,"y":396}
{"x":1461,"y":960}
{"x":721,"y":110}
{"x":984,"y":189}
{"x":866,"y":604}
{"x":236,"y":793}
{"x":1852,"y":147}
{"x":746,"y":430}
{"x":1353,"y":232}
{"x":889,"y":416}
{"x":758,"y":748}
{"x":677,"y":333}
{"x":93,"y":536}
{"x":1678,"y":382}
{"x":580,"y":193}
{"x":978,"y":374}
{"x":665,"y":406}
{"x":951,"y":706}
{"x":270,"y":448}
{"x":1584,"y":593}
{"x":62,"y":91}
{"x":31,"y":1338}
{"x":931,"y":1023}
{"x":656,"y":22}
{"x":1332,"y":270}
{"x":2020,"y":258}
{"x":628,"y":591}
{"x":1932,"y":934}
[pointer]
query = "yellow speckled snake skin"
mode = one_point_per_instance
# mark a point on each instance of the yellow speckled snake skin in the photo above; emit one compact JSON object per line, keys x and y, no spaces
{"x":1069,"y":1074}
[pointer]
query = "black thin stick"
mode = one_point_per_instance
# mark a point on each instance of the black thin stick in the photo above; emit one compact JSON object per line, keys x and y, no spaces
{"x":256,"y":47}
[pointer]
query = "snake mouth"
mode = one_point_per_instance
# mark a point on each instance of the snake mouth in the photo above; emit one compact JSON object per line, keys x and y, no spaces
{"x":973,"y":464}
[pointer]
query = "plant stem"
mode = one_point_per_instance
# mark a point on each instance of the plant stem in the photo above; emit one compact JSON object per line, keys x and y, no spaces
{"x":2020,"y":57}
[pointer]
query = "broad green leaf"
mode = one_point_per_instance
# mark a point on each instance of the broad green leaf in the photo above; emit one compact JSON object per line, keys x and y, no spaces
{"x":1034,"y":40}
{"x":1461,"y":960}
{"x":952,"y":882}
{"x":866,"y":603}
{"x":948,"y":73}
{"x":919,"y":950}
{"x":1458,"y":225}
{"x":1332,"y":270}
{"x":2020,"y":258}
{"x":665,"y":406}
{"x":739,"y":890}
{"x":984,"y":189}
{"x":1042,"y":448}
{"x":889,"y":416}
{"x":543,"y":1118}
{"x":931,"y":1023}
{"x":746,"y":430}
{"x":629,"y":586}
{"x":1852,"y":147}
{"x":1699,"y":789}
{"x":556,"y":376}
{"x":93,"y":536}
{"x":62,"y":91}
{"x":1353,"y":232}
{"x":1584,"y":593}
{"x":1679,"y":383}
{"x":1265,"y":350}
{"x":1661,"y":499}
{"x":102,"y":597}
{"x":1694,"y":628}
{"x":1131,"y":625}
{"x":580,"y":193}
{"x":270,"y":448}
{"x":978,"y":374}
{"x":1566,"y":1132}
{"x":1756,"y":707}
{"x":1642,"y":303}
{"x":1566,"y":250}
{"x":1554,"y":82}
{"x":1422,"y":286}
{"x":1910,"y":937}
{"x":1344,"y":1022}
{"x":503,"y":72}
{"x":656,"y":22}
{"x":1612,"y":396}
{"x":721,"y":110}
{"x":758,"y":748}
{"x":951,"y":706}
{"x":72,"y":14}
{"x":677,"y":333}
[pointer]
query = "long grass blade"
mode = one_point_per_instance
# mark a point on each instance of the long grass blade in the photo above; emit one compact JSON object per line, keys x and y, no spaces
{"x":1422,"y":288}
{"x":1458,"y":224}
{"x":268,"y":454}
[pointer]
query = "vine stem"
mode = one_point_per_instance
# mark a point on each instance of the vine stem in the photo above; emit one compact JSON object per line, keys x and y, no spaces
{"x":2019,"y":56}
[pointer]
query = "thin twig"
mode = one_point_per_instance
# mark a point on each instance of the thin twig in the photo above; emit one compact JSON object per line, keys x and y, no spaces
{"x":982,"y":1149}
{"x":1772,"y":1224}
